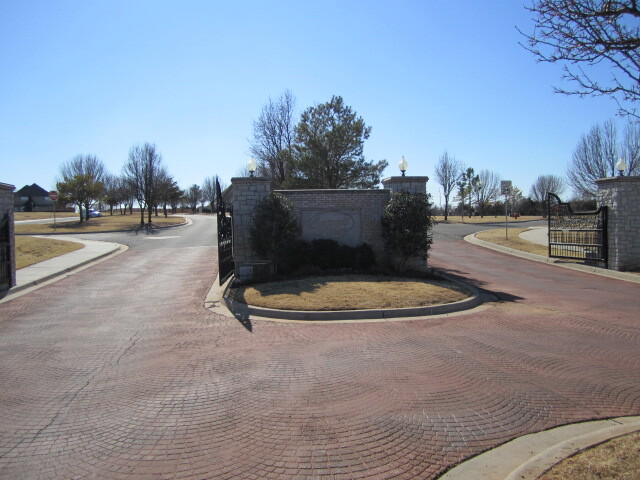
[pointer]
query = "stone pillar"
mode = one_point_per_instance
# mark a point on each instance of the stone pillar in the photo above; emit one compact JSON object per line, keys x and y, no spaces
{"x":408,"y":184}
{"x":6,"y":207}
{"x":622,"y":196}
{"x":247,"y":192}
{"x":411,"y":185}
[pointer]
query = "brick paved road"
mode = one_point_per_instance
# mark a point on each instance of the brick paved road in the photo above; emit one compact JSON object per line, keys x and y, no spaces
{"x":118,"y":372}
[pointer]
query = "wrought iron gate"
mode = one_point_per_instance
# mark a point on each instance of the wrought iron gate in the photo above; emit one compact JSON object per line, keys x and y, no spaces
{"x":225,"y":238}
{"x":5,"y":252}
{"x":576,"y":235}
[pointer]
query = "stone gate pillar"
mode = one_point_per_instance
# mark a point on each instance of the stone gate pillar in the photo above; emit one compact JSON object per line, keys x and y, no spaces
{"x":8,"y":253}
{"x":408,"y":184}
{"x":247,"y":192}
{"x":411,"y":185}
{"x":622,"y":196}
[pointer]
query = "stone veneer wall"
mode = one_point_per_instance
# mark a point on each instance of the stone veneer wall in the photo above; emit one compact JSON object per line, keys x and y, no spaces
{"x":348,"y":216}
{"x":362,"y":209}
{"x":6,"y":206}
{"x":622,"y":196}
{"x":408,"y":184}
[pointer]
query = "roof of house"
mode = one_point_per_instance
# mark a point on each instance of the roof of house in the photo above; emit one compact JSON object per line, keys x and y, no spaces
{"x":34,"y":190}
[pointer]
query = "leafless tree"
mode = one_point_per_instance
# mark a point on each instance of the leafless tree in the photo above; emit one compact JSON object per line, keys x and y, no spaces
{"x":144,"y":172}
{"x":447,"y":173}
{"x":209,"y":192}
{"x":485,"y":188}
{"x":273,"y":137}
{"x":597,"y":154}
{"x":82,"y":181}
{"x":544,"y":185}
{"x":194,"y":197}
{"x":598,"y":41}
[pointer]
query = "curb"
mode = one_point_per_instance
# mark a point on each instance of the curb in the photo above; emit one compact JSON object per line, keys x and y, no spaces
{"x":530,"y":456}
{"x":553,"y":261}
{"x":119,"y":248}
{"x":217,"y":302}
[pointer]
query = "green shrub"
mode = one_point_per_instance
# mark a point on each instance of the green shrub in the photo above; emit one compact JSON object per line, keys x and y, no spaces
{"x":406,"y":221}
{"x":324,"y":254}
{"x":273,"y":226}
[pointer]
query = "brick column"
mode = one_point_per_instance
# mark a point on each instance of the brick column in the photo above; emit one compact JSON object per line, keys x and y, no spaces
{"x":411,"y":185}
{"x":247,"y":192}
{"x":408,"y":184}
{"x":622,"y":196}
{"x":6,"y":207}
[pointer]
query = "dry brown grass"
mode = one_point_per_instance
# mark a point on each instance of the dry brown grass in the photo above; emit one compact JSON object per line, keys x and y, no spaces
{"x":617,"y":459}
{"x":30,"y":250}
{"x":17,"y":216}
{"x":350,"y":292}
{"x":107,"y":223}
{"x":485,"y":219}
{"x":497,"y":236}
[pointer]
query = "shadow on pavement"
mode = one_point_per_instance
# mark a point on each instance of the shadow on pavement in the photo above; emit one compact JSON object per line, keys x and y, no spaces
{"x":460,"y":276}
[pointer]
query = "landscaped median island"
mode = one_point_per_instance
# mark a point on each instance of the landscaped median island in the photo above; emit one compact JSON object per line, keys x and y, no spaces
{"x":497,"y":236}
{"x":349,"y":292}
{"x":107,"y":223}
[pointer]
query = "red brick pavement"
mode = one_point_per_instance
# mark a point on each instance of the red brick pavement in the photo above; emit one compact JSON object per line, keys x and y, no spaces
{"x":118,"y":372}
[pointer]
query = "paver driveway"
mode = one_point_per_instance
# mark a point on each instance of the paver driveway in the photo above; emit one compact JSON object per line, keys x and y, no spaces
{"x":118,"y":372}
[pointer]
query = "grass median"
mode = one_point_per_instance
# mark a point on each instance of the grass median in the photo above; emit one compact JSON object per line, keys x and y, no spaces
{"x":108,"y":223}
{"x":497,"y":236}
{"x":349,"y":292}
{"x":31,"y":250}
{"x":485,"y":219}
{"x":616,"y":459}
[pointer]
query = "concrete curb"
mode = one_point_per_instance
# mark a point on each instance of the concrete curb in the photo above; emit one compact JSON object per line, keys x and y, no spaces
{"x":529,"y":456}
{"x":72,"y":265}
{"x":217,"y":302}
{"x":628,"y":277}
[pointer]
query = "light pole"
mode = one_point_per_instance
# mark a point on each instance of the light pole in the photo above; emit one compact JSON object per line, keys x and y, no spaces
{"x":621,"y":166}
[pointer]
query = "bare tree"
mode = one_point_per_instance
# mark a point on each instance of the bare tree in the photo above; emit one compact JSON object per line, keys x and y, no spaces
{"x":209,"y":192}
{"x":597,"y":154}
{"x":273,"y":137}
{"x":144,"y":172}
{"x":193,"y":196}
{"x":82,"y":181}
{"x":544,"y":185}
{"x":586,"y":35}
{"x":485,"y":187}
{"x":447,"y":172}
{"x":112,"y":191}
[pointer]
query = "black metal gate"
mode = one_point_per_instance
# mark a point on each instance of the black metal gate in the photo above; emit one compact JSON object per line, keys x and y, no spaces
{"x":576,"y":235}
{"x":225,"y":238}
{"x":5,"y":252}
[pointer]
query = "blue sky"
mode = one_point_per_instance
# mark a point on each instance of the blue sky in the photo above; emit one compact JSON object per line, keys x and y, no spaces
{"x":191,"y":76}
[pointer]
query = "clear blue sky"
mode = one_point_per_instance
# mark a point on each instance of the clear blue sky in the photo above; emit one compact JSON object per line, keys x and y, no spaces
{"x":191,"y":76}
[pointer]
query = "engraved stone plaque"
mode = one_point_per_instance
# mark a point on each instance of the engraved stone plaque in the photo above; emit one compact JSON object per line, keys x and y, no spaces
{"x":342,"y":226}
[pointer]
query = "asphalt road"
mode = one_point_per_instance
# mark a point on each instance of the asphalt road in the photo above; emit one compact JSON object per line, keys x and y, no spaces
{"x":118,"y":372}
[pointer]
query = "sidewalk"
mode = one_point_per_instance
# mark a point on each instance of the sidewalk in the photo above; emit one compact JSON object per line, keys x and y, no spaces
{"x":43,"y":271}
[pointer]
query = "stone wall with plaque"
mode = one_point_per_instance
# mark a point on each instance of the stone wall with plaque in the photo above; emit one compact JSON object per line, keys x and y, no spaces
{"x":350,"y":217}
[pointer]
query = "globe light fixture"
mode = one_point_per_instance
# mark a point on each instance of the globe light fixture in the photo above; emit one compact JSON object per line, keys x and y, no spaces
{"x":403,"y":165}
{"x":621,"y":166}
{"x":252,"y":166}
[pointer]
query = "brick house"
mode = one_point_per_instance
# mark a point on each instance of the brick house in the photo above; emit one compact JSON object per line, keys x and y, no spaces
{"x":32,"y":198}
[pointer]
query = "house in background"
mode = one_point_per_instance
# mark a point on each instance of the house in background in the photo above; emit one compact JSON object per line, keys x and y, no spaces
{"x":32,"y":198}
